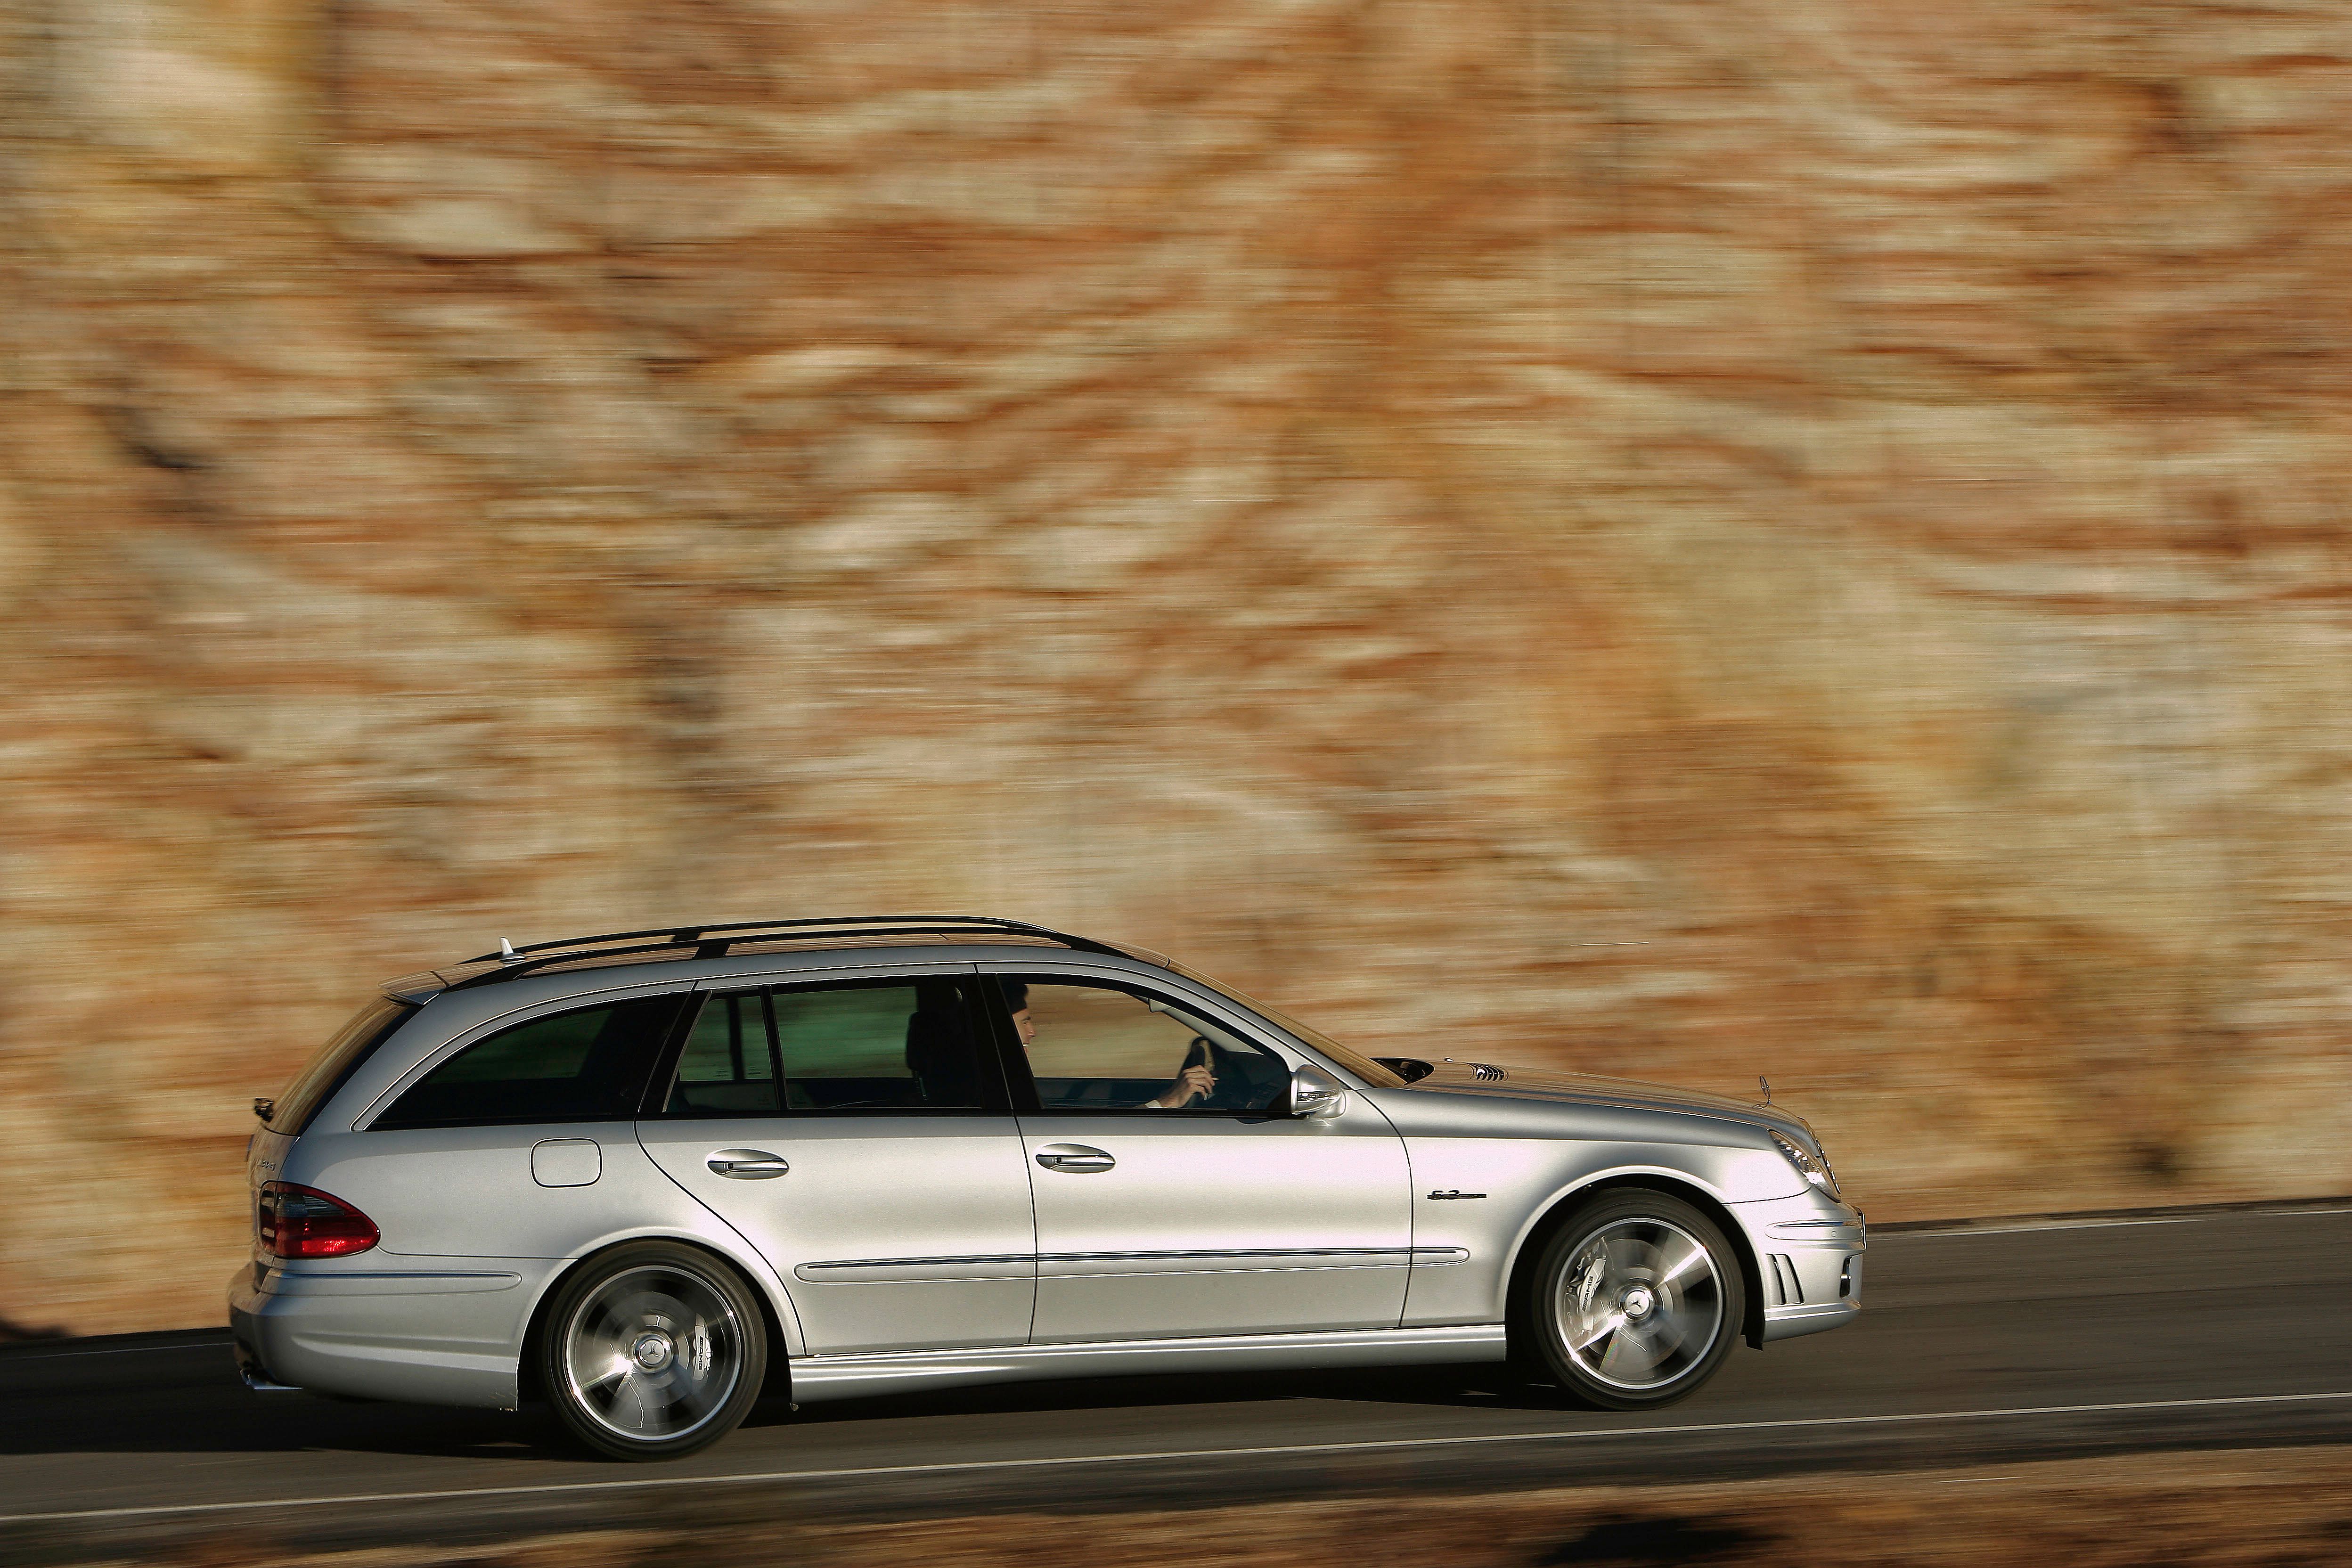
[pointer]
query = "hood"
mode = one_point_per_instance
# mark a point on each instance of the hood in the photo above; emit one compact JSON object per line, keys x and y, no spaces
{"x":1506,"y":1082}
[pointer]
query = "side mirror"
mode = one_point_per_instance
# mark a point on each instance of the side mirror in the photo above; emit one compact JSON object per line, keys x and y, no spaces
{"x":1315,"y":1094}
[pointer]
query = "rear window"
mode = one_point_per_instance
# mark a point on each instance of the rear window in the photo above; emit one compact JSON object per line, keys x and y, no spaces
{"x":336,"y":1061}
{"x":587,"y":1065}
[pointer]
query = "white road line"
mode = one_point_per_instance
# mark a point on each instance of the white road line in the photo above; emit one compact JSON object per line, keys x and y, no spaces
{"x":220,"y":1345}
{"x":1963,"y":1228}
{"x":555,"y":1488}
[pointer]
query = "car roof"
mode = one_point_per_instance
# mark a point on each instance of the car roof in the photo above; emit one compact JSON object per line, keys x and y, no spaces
{"x":700,"y":944}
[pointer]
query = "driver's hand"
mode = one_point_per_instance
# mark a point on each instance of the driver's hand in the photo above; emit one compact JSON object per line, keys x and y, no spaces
{"x":1195,"y":1081}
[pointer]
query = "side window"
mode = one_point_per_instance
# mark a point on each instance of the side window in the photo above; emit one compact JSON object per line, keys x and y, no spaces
{"x":879,"y":1046}
{"x":873,"y":1046}
{"x":587,"y":1065}
{"x":1102,"y":1048}
{"x":729,"y":1066}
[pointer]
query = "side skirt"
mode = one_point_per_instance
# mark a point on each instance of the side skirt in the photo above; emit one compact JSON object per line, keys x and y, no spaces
{"x":907,"y":1372}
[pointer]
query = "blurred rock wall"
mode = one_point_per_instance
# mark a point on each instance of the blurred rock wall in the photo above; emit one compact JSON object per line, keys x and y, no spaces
{"x":1688,"y":539}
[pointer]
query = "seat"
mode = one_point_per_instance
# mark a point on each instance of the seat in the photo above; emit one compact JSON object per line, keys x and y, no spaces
{"x":940,"y":1052}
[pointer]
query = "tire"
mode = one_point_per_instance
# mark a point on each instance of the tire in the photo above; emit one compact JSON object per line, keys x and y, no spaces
{"x":1634,"y":1301}
{"x":653,"y":1352}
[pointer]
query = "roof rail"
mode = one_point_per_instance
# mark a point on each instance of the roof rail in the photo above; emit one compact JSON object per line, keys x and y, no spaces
{"x":714,"y":941}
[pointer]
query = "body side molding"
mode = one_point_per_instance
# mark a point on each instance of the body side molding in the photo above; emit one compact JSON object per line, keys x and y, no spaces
{"x":852,"y":1376}
{"x":1010,"y":1265}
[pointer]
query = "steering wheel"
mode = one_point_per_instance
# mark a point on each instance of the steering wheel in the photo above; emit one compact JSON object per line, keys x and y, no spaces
{"x":1235,"y":1091}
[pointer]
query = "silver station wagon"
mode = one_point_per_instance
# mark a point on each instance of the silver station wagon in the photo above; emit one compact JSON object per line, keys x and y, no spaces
{"x":650,"y":1176}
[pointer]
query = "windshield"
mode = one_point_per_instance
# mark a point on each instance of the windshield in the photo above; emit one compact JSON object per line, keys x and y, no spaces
{"x":1363,"y":1067}
{"x":334,"y":1064}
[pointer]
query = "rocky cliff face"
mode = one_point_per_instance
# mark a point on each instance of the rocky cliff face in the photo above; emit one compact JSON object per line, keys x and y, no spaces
{"x":1684,"y":540}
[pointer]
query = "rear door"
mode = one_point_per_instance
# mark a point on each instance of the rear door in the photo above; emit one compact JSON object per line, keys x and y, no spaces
{"x":853,"y":1129}
{"x":1163,"y":1211}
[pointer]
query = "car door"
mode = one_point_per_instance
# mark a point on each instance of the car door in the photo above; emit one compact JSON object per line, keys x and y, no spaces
{"x":855,"y":1132}
{"x":1214,"y":1216}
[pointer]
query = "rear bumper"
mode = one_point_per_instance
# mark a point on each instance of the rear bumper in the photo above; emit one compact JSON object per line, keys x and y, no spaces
{"x":246,"y":1341}
{"x":413,"y":1336}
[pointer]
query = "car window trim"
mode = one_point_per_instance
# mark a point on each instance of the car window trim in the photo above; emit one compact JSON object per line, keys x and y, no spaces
{"x":654,"y":1105}
{"x":993,"y":1085}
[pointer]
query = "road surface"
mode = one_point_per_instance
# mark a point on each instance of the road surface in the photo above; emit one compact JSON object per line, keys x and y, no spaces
{"x":2045,"y":1341}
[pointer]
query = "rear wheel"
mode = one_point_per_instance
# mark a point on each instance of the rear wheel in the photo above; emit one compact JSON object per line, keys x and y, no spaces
{"x":653,"y":1350}
{"x":1635,"y":1301}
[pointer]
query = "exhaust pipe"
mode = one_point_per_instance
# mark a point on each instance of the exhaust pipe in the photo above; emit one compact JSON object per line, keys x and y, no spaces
{"x":255,"y":1375}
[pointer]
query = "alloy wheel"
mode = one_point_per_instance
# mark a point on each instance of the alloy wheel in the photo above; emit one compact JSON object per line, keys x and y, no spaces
{"x":653,"y":1353}
{"x":1639,"y":1304}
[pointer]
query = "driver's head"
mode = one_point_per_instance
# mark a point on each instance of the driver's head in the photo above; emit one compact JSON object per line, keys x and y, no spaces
{"x":1016,"y":1002}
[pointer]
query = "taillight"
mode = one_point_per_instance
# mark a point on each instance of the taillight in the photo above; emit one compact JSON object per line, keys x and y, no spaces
{"x":302,"y":1222}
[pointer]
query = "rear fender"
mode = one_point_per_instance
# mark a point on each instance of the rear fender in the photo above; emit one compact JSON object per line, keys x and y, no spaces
{"x":780,"y":1322}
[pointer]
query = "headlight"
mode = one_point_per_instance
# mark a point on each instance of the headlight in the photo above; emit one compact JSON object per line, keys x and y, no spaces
{"x":1814,"y":1168}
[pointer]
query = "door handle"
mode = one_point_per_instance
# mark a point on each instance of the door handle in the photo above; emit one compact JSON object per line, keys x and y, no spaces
{"x":1075,"y":1158}
{"x":748,"y":1164}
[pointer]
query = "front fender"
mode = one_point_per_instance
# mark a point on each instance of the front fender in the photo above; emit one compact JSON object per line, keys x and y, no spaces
{"x":1526,"y":1184}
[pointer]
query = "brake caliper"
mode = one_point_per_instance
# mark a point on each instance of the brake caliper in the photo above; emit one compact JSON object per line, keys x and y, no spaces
{"x":1588,"y":1270}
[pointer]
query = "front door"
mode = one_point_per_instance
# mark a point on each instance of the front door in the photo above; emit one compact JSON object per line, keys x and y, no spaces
{"x":1172,"y":1200}
{"x":853,"y":1130}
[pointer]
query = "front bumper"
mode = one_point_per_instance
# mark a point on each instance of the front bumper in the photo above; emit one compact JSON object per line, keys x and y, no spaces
{"x":1789,"y":1322}
{"x":1809,"y":1253}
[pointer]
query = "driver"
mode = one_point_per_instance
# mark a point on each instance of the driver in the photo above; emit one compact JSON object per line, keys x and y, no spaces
{"x":1196,"y":1082}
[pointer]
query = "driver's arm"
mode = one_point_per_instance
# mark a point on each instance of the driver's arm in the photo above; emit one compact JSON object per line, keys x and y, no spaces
{"x":1193,"y":1083}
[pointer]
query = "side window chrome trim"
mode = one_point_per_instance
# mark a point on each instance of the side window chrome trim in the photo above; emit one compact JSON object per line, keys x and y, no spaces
{"x":782,"y":979}
{"x":513,"y":1016}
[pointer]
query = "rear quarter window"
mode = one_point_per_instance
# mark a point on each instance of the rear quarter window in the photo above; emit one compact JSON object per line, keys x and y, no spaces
{"x":335,"y":1062}
{"x":589,"y":1064}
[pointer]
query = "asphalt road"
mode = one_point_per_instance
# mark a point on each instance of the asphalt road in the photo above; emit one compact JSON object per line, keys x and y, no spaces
{"x":2043,"y":1342}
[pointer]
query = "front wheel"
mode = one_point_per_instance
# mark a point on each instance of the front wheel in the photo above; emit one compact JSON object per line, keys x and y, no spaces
{"x":1635,"y":1301}
{"x":653,"y":1350}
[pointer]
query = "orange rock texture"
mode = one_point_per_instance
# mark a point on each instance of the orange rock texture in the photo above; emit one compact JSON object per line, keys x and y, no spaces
{"x":1688,"y":540}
